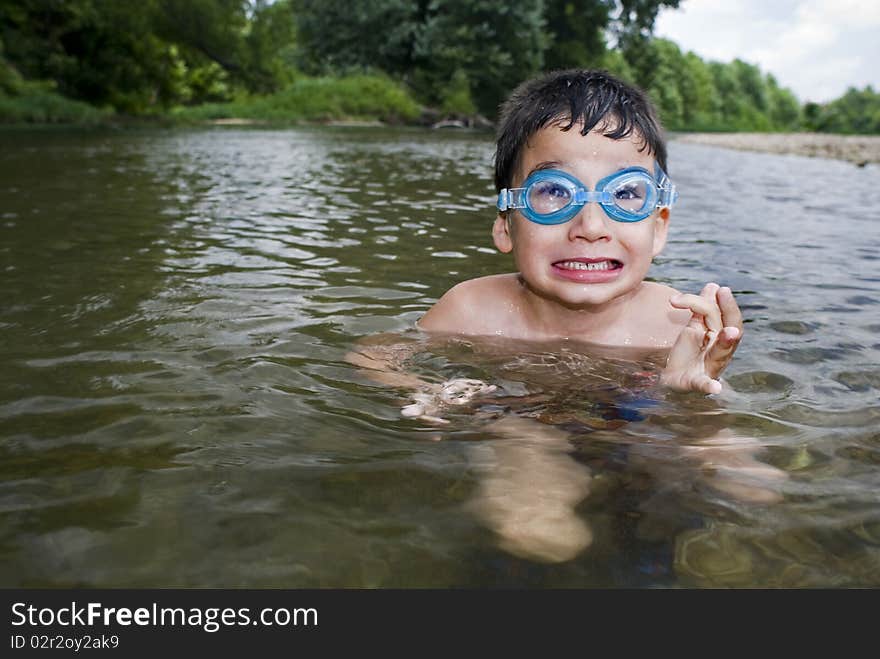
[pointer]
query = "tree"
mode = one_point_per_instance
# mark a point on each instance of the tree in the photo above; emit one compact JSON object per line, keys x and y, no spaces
{"x":213,"y":28}
{"x":345,"y":36}
{"x":269,"y":42}
{"x":100,"y":51}
{"x":637,"y":17}
{"x":751,"y":84}
{"x":785,"y":110}
{"x":491,"y":45}
{"x":702,"y":105}
{"x":495,"y":43}
{"x":731,"y":96}
{"x":857,"y":111}
{"x":576,"y":30}
{"x":663,"y":81}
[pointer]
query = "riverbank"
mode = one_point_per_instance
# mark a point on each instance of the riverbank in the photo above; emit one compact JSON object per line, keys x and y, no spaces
{"x":857,"y":149}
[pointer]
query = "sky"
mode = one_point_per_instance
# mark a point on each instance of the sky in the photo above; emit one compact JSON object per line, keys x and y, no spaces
{"x":815,"y":48}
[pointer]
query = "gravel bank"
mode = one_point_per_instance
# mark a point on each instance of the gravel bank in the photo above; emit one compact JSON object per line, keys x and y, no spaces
{"x":857,"y":149}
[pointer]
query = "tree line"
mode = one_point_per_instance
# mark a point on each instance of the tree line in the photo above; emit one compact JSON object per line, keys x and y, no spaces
{"x":458,"y":57}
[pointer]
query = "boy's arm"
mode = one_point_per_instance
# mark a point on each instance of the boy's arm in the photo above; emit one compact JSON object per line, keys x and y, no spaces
{"x":386,"y":364}
{"x":384,"y":359}
{"x":707,"y":343}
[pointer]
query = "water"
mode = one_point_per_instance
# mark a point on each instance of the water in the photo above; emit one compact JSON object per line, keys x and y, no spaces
{"x":176,"y":408}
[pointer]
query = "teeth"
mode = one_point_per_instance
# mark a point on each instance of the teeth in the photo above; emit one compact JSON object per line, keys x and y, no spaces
{"x":577,"y":265}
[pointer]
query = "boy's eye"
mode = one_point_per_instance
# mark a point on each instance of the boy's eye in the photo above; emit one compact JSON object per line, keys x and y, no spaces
{"x":549,"y":196}
{"x":631,"y":196}
{"x":551,"y":189}
{"x":629,"y":192}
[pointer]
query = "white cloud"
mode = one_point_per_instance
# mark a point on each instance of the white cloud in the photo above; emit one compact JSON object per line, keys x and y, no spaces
{"x":817,"y":48}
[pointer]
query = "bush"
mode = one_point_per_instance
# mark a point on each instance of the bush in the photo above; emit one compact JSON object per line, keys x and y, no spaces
{"x":37,"y":103}
{"x":456,"y":96}
{"x":359,"y":97}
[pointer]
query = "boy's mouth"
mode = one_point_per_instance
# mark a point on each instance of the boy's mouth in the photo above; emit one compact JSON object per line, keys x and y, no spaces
{"x":589,"y":264}
{"x":588,"y":271}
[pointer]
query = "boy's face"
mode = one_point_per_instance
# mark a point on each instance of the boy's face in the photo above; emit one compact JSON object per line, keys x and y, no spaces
{"x":591,"y":259}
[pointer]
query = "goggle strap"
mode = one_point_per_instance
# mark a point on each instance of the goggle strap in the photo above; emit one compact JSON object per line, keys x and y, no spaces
{"x":510,"y":198}
{"x":668,"y":195}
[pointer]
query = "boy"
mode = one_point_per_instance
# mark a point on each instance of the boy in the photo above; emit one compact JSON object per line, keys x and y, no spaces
{"x":584,"y":205}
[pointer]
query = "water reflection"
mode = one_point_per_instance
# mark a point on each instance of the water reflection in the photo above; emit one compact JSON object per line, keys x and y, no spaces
{"x":176,"y":407}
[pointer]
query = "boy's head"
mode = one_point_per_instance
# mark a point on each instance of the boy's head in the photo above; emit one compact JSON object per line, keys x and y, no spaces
{"x":593,"y":209}
{"x":577,"y":98}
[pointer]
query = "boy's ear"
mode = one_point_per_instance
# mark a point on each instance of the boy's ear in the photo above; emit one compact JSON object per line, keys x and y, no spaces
{"x":661,"y":228}
{"x":501,"y":234}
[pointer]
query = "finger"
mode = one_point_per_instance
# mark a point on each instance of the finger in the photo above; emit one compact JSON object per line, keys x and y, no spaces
{"x":710,"y":294}
{"x":710,"y":290}
{"x":707,"y":385}
{"x":730,"y":337}
{"x":722,"y":350}
{"x":700,"y":306}
{"x":687,"y":347}
{"x":731,"y":315}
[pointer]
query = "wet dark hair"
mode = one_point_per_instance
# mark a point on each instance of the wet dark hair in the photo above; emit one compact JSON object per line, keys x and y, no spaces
{"x":572,"y":97}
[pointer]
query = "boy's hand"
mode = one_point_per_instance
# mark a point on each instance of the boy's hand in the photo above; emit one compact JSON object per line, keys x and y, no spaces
{"x":433,"y":398}
{"x":707,"y":343}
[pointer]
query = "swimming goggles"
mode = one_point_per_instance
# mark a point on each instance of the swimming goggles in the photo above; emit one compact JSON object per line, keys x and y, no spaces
{"x":551,"y":196}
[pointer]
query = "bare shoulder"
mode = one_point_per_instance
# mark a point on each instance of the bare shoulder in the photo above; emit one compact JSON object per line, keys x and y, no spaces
{"x":666,"y":320}
{"x":474,"y":306}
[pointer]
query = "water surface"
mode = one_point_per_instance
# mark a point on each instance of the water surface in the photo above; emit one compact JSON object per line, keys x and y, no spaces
{"x":176,"y":408}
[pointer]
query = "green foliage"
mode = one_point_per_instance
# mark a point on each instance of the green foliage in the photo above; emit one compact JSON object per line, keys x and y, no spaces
{"x":751,"y":84}
{"x":10,"y":79}
{"x":702,"y":104}
{"x":207,"y":83}
{"x":357,"y":97}
{"x":634,"y":18}
{"x":37,"y":103}
{"x":460,"y":56}
{"x":23,"y":101}
{"x":496,"y":43}
{"x":456,"y":97}
{"x":576,"y":30}
{"x":341,"y":36}
{"x":658,"y":66}
{"x":691,"y":94}
{"x":142,"y":57}
{"x":269,"y":46}
{"x":351,"y":97}
{"x":857,"y":111}
{"x":614,"y":62}
{"x":248,"y":40}
{"x":433,"y":45}
{"x":785,"y":110}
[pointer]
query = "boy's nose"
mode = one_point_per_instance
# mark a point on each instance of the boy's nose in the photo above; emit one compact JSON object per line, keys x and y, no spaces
{"x":590,"y":224}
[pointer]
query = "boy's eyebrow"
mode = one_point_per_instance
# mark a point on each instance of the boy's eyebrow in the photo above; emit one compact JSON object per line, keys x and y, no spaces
{"x":547,"y":164}
{"x":556,"y":164}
